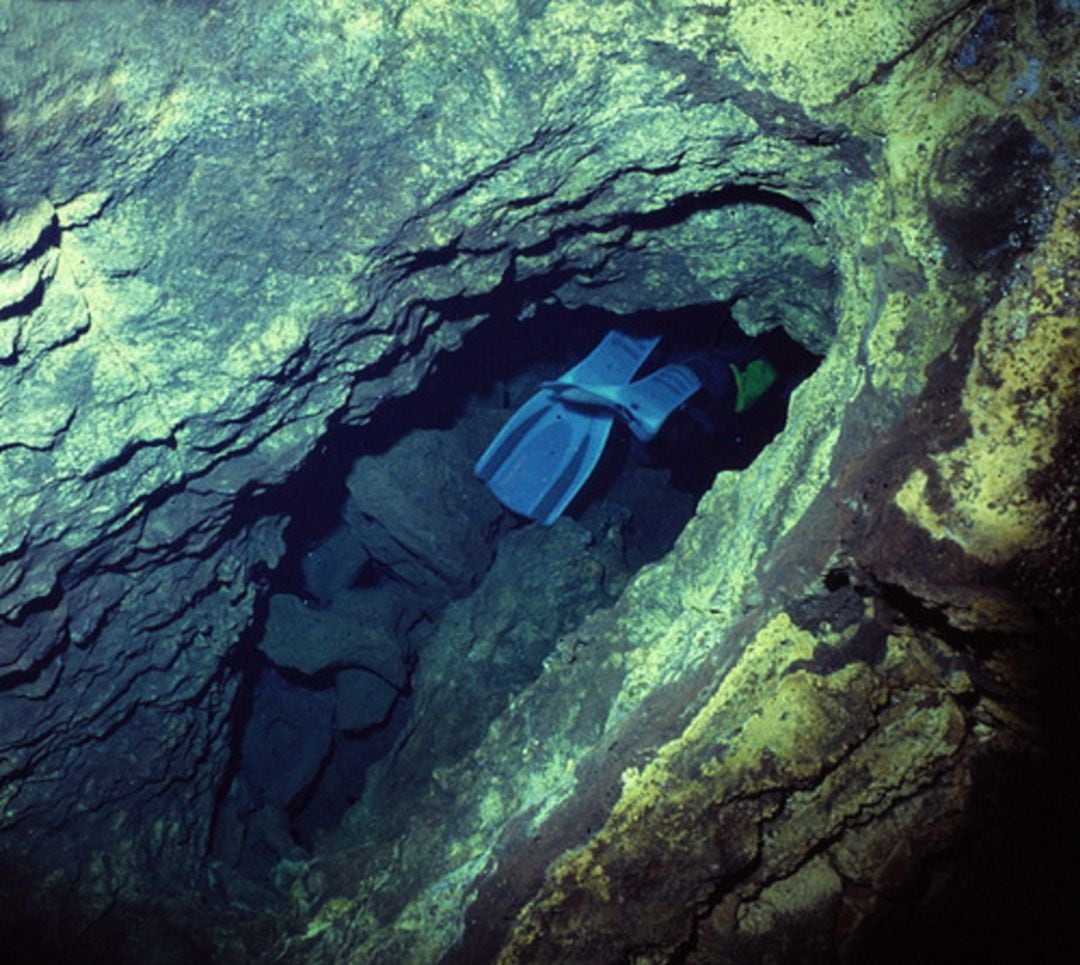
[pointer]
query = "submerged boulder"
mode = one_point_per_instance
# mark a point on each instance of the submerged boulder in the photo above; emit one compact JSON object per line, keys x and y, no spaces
{"x":363,"y":628}
{"x":418,"y":511}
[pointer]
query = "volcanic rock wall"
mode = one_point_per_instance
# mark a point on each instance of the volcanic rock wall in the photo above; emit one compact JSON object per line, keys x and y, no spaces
{"x":227,"y":229}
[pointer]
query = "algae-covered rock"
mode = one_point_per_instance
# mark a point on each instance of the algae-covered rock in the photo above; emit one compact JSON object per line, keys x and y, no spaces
{"x":832,"y":723}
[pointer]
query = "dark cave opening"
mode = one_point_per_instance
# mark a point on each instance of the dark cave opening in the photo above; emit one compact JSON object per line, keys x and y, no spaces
{"x":358,"y":679}
{"x":317,"y":715}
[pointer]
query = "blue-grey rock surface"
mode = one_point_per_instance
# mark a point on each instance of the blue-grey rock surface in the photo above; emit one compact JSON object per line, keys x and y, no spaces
{"x":238,"y":240}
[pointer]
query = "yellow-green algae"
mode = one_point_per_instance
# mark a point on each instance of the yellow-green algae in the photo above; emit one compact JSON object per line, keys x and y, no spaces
{"x":1027,"y":375}
{"x":925,"y":105}
{"x":812,"y":51}
{"x":837,"y":751}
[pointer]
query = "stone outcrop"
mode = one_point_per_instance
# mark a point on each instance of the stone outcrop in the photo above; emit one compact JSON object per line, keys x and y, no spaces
{"x":830,"y":724}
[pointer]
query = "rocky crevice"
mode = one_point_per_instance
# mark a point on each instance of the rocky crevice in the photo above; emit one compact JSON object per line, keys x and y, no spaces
{"x":231,"y":269}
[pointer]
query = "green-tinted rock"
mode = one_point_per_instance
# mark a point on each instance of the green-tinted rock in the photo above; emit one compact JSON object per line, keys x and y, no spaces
{"x":226,"y":227}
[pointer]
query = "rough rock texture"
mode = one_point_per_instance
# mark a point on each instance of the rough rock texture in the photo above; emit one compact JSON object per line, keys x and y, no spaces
{"x":829,"y":724}
{"x":417,"y":510}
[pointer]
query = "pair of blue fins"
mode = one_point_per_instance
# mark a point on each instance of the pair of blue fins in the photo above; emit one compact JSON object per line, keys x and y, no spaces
{"x":543,"y":456}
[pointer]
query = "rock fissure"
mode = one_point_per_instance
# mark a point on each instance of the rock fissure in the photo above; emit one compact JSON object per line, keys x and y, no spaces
{"x":280,"y":677}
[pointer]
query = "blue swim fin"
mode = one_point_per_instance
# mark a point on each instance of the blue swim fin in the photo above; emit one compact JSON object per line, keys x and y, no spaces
{"x":542,"y":457}
{"x":643,"y":405}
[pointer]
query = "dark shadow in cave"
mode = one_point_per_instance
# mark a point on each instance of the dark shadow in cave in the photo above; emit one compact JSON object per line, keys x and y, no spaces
{"x":389,"y":527}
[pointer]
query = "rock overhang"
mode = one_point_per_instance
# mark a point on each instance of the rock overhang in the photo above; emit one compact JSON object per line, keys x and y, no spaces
{"x":549,"y":209}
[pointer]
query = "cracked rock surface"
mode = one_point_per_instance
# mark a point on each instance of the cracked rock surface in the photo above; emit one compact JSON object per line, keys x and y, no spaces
{"x":830,"y":724}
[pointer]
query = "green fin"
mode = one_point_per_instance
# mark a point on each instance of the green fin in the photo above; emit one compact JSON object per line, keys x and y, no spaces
{"x":752,"y":383}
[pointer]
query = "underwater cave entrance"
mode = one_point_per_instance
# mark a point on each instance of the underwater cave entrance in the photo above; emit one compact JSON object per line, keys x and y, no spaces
{"x":411,"y":605}
{"x":394,"y":546}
